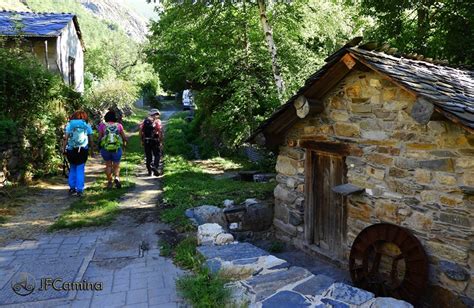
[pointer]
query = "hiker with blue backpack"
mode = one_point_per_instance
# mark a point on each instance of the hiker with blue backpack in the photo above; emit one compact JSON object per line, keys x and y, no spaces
{"x":78,"y":142}
{"x":112,"y":140}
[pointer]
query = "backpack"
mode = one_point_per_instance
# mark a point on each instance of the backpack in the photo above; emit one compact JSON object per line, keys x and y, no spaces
{"x":78,"y":137}
{"x":148,"y":128}
{"x":112,"y":141}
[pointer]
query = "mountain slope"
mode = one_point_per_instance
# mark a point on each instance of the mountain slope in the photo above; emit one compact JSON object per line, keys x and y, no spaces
{"x":13,"y":5}
{"x":117,"y":11}
{"x":99,"y":19}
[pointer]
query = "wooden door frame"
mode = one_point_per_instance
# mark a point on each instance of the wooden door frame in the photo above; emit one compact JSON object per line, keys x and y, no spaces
{"x":313,"y":149}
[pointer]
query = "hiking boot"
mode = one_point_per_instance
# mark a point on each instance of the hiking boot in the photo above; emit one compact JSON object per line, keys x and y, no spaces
{"x":72,"y":191}
{"x":80,"y":194}
{"x":110,"y":185}
{"x":149,"y":172}
{"x":117,"y":183}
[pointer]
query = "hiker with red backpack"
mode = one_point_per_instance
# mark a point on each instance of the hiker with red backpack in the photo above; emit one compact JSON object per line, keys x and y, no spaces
{"x":77,"y":142}
{"x":151,"y":136}
{"x":112,"y":139}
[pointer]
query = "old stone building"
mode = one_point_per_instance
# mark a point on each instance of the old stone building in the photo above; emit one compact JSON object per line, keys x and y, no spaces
{"x":400,"y":131}
{"x":54,"y":38}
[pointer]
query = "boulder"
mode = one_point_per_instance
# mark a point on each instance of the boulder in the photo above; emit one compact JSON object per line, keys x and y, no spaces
{"x":382,"y":302}
{"x":228,"y":203}
{"x":207,"y":233}
{"x":224,"y":238}
{"x":258,"y":216}
{"x":208,"y":214}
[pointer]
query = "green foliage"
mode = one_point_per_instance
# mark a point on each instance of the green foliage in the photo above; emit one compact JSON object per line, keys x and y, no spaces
{"x":149,"y":91}
{"x":111,"y":94}
{"x":8,"y":129}
{"x":221,"y":49}
{"x":177,"y":133}
{"x":204,"y":289}
{"x":186,"y":256}
{"x":434,"y":28}
{"x":32,"y":98}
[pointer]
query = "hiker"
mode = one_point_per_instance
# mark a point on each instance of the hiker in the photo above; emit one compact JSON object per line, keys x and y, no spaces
{"x":151,"y":136}
{"x":188,"y":103}
{"x":77,"y":139}
{"x":112,"y":139}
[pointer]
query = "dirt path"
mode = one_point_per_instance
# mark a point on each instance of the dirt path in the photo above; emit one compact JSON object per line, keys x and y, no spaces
{"x":42,"y":204}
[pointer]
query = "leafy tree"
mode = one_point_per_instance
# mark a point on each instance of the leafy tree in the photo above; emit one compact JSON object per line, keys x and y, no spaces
{"x":222,"y":50}
{"x":435,"y":28}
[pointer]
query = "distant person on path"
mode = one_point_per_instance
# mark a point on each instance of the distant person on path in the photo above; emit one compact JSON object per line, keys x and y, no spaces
{"x":151,"y":136}
{"x":112,"y":139}
{"x":188,"y":99}
{"x":77,"y":139}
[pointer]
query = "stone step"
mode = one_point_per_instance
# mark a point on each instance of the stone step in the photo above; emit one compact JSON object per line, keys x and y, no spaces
{"x":315,"y":286}
{"x":286,"y":299}
{"x":232,"y":252}
{"x":265,"y":285}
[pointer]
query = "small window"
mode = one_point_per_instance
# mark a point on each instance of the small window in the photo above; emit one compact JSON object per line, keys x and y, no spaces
{"x":72,"y":72}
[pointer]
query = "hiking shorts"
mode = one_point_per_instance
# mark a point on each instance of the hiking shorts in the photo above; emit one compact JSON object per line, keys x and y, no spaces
{"x":114,"y":156}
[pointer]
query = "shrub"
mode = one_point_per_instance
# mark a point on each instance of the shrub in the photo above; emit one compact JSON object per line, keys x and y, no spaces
{"x":33,"y":100}
{"x":116,"y":94}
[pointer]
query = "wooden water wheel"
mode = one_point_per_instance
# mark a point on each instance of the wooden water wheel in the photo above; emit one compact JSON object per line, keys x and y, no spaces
{"x":388,"y":260}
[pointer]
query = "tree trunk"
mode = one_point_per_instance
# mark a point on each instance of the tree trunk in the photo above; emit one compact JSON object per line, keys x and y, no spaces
{"x":267,"y":30}
{"x":423,"y":24}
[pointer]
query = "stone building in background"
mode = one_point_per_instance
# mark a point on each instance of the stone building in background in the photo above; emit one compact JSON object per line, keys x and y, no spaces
{"x":54,"y":38}
{"x":398,"y":132}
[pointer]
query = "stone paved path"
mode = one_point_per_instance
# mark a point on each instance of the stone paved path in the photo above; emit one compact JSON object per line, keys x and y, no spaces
{"x":107,"y":255}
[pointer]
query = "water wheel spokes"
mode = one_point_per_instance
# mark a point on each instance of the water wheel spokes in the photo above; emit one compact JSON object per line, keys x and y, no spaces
{"x":388,"y":260}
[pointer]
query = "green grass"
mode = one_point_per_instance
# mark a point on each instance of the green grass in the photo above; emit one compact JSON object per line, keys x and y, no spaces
{"x":203,"y":289}
{"x":200,"y":288}
{"x":186,"y":185}
{"x":97,"y":207}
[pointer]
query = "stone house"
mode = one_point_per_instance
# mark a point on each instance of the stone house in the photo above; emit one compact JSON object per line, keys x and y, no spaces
{"x":398,"y":132}
{"x":54,"y":38}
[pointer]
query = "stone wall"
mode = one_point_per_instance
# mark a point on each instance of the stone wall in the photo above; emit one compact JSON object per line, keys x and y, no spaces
{"x":416,"y":176}
{"x":9,"y":163}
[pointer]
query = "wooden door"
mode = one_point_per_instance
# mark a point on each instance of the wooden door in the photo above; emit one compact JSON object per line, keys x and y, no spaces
{"x":328,"y":207}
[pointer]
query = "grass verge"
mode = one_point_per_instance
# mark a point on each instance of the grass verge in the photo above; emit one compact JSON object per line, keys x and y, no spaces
{"x":200,"y":288}
{"x":99,"y":206}
{"x":186,"y":185}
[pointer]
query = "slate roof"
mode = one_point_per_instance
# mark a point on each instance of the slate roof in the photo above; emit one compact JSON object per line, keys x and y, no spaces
{"x":450,"y":89}
{"x":35,"y":24}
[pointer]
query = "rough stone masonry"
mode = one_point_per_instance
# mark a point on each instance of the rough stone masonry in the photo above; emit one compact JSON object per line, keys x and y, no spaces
{"x":417,"y":176}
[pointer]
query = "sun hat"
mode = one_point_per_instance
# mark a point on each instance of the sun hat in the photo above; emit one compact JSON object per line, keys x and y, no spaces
{"x":154,"y":111}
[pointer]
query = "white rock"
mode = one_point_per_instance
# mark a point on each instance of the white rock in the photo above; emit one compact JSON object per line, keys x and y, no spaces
{"x":382,"y":302}
{"x":207,"y":233}
{"x":234,"y":225}
{"x":228,"y":203}
{"x":224,"y":238}
{"x":251,"y":201}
